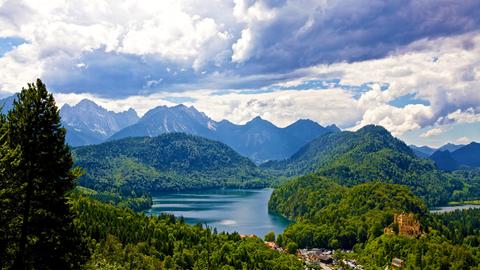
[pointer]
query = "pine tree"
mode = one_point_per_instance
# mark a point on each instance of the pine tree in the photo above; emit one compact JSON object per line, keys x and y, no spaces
{"x":9,"y":198}
{"x":36,"y":168}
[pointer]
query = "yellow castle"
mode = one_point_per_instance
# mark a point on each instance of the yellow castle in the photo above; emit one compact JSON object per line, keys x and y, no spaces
{"x":407,"y":225}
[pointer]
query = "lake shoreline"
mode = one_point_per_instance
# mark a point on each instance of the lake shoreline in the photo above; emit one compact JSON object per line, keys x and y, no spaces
{"x":231,"y":210}
{"x":451,"y":208}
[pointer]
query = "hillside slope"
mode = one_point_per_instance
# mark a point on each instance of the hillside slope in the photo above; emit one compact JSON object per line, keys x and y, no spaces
{"x":370,"y":154}
{"x":335,"y":216}
{"x":173,"y":161}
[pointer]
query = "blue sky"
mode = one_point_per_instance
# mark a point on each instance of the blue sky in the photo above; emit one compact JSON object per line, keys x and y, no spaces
{"x":409,"y":65}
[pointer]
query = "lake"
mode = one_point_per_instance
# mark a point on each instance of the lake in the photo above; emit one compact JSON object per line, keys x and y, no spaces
{"x":445,"y":209}
{"x":230,"y":210}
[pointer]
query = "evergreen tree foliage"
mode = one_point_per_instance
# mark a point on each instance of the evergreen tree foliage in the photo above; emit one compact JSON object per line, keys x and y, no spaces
{"x":122,"y":239}
{"x":36,"y":174}
{"x":330,"y":215}
{"x":270,"y":237}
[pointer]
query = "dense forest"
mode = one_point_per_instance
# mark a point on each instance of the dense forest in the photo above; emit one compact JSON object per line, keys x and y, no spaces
{"x":373,"y":154}
{"x":334,"y":216}
{"x":121,"y":239}
{"x":169,"y":162}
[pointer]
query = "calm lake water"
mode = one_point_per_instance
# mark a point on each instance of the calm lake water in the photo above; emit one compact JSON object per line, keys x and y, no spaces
{"x":445,"y":209}
{"x":230,"y":210}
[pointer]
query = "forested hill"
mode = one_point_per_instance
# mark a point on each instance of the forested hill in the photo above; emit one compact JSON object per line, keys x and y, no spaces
{"x":173,"y":161}
{"x":334,"y":146}
{"x":334,"y":216}
{"x":319,"y":198}
{"x":370,"y":154}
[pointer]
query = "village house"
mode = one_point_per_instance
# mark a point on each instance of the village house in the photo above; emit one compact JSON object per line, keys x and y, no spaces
{"x":315,"y":255}
{"x":397,"y":263}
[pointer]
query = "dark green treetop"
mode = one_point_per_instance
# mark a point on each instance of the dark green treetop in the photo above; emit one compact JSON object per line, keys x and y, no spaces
{"x":36,"y":169}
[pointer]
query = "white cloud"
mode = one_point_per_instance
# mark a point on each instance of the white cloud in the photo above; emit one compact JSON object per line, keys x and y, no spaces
{"x":447,"y":96}
{"x":432,"y":132}
{"x":466,"y":116}
{"x":283,"y":107}
{"x":64,"y":30}
{"x":463,"y":140}
{"x":444,"y":72}
{"x":243,"y":47}
{"x":256,"y":16}
{"x":396,"y":120}
{"x":256,"y":12}
{"x":430,"y":70}
{"x":20,"y":66}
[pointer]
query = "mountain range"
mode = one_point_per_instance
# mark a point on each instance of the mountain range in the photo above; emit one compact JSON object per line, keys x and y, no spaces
{"x":258,"y":139}
{"x":451,"y":157}
{"x":88,"y":123}
{"x":465,"y":157}
{"x":427,"y":151}
{"x":6,"y":104}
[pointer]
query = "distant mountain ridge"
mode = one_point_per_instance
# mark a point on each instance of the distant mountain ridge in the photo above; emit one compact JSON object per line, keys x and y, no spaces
{"x":87,"y":123}
{"x":258,"y":139}
{"x":165,"y":119}
{"x":450,"y":147}
{"x":427,"y":151}
{"x":465,"y":157}
{"x":6,"y":104}
{"x":422,"y":151}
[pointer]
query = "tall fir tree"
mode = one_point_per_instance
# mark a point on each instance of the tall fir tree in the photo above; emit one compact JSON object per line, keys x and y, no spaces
{"x":36,"y":172}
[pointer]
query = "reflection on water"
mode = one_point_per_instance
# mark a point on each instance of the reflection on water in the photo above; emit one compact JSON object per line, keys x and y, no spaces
{"x":243,"y":211}
{"x":445,"y":209}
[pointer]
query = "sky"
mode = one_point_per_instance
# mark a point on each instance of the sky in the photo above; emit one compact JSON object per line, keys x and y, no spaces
{"x":412,"y":66}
